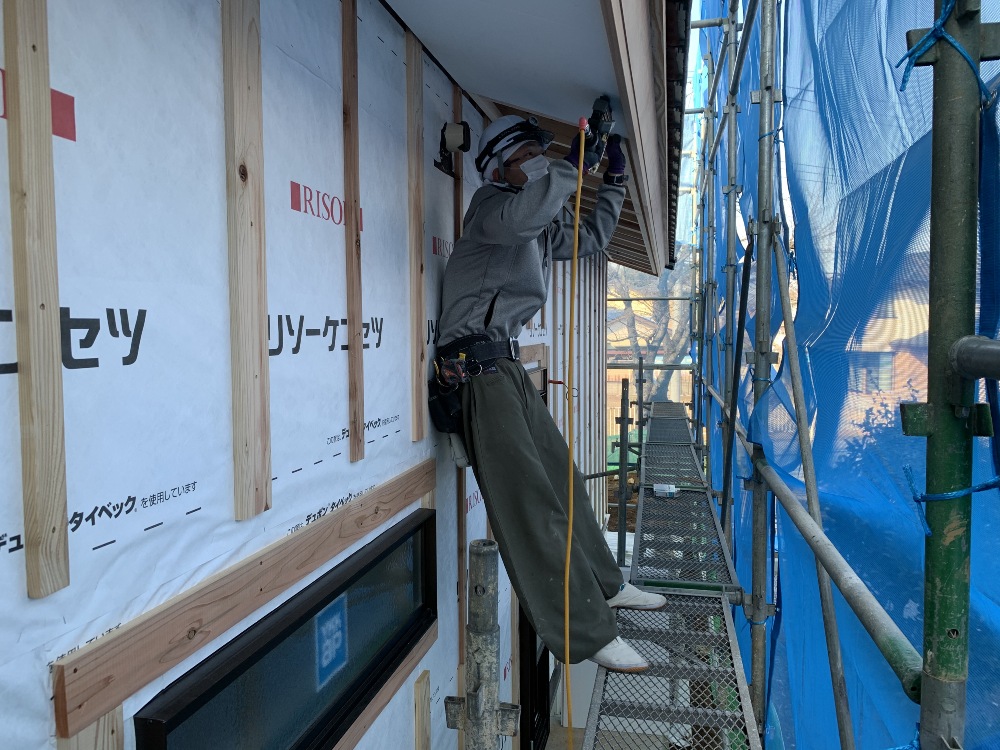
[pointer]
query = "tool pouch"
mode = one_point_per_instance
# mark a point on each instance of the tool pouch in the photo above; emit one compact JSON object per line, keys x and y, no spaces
{"x":445,"y":406}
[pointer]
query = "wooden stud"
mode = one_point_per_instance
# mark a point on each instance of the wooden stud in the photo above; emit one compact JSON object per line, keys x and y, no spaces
{"x":92,"y":681}
{"x":427,"y":501}
{"x":459,"y":205}
{"x":372,"y":711}
{"x":247,"y":256}
{"x":422,"y":712}
{"x":107,"y":733}
{"x":36,"y":296}
{"x":352,"y":211}
{"x":415,"y":160}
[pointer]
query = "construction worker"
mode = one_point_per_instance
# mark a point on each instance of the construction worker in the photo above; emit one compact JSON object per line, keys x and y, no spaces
{"x":496,"y":280}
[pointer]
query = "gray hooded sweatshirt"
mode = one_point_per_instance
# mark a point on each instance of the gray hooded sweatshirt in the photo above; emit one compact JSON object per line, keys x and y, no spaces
{"x":498,"y":275}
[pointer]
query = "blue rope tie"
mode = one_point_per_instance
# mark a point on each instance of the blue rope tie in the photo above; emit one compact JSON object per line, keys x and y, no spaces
{"x":931,"y":38}
{"x":919,"y":498}
{"x":772,"y":132}
{"x":913,"y":744}
{"x":754,"y":622}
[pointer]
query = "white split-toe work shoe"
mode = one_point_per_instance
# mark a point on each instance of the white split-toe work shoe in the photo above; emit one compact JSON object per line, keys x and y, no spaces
{"x":618,"y":656}
{"x":629,"y":597}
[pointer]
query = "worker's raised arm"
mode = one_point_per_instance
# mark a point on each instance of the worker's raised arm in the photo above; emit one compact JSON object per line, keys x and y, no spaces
{"x":509,"y":218}
{"x":595,"y":230}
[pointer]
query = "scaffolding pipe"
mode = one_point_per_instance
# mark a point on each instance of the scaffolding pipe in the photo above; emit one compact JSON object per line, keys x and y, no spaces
{"x":707,"y":23}
{"x":707,"y":367}
{"x":635,"y":366}
{"x":641,"y":413}
{"x":763,"y":356}
{"x":953,"y":230}
{"x":898,"y":652}
{"x":741,"y":56}
{"x":716,"y":75}
{"x":731,"y":411}
{"x":730,"y":267}
{"x":841,"y":703}
{"x":975,"y":357}
{"x":480,"y":714}
{"x":623,"y":491}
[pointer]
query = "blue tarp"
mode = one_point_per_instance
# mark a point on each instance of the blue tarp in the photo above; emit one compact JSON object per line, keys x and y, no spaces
{"x":854,"y":196}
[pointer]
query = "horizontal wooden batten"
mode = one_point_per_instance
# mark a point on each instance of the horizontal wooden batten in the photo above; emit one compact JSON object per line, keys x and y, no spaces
{"x":94,"y":680}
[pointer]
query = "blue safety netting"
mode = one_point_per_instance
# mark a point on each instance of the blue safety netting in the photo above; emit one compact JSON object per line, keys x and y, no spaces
{"x":852,"y":187}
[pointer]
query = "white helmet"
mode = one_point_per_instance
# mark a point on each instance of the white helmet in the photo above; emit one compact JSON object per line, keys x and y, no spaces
{"x":503,"y":137}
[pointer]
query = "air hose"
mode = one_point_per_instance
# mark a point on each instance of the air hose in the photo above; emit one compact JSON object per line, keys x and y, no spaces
{"x":570,"y":441}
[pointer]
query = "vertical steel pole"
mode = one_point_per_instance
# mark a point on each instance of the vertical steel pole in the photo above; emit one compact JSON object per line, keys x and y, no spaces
{"x":841,"y":703}
{"x":479,"y":714}
{"x":623,"y":490}
{"x":708,"y":291}
{"x":730,"y":268}
{"x":763,"y":355}
{"x":954,"y":210}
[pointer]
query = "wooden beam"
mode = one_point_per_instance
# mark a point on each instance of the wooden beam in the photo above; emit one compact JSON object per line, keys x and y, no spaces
{"x":422,"y":711}
{"x":92,"y":681}
{"x":487,"y":105}
{"x":107,"y":733}
{"x":352,"y":212}
{"x":247,"y":256}
{"x":36,"y":296}
{"x":415,"y":160}
{"x":374,"y":709}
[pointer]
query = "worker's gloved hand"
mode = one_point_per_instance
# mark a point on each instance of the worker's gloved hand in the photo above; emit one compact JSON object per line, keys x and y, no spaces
{"x":593,"y":150}
{"x":615,"y":173}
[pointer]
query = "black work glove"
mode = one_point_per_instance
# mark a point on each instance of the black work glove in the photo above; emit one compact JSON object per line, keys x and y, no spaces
{"x":593,"y":150}
{"x":615,"y":173}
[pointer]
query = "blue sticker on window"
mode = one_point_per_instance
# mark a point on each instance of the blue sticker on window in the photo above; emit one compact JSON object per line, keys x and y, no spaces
{"x":331,"y":641}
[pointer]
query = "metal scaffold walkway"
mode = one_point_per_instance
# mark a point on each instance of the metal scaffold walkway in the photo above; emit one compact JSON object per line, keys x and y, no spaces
{"x":695,"y":693}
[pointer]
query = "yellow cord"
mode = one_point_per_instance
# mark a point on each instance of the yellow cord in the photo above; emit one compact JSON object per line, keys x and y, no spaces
{"x":570,"y":441}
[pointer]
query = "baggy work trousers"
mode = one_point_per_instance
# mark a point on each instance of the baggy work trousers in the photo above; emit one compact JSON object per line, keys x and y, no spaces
{"x":520,"y":461}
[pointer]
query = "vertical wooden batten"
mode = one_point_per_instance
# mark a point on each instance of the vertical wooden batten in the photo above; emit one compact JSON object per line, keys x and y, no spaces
{"x":107,"y":733}
{"x":36,"y":296}
{"x":415,"y":159}
{"x":352,"y":212}
{"x":460,"y":484}
{"x":422,"y":712}
{"x":247,"y":256}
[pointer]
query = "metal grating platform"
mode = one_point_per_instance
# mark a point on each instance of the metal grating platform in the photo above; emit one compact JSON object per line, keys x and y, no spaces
{"x":670,"y":463}
{"x":678,"y":540}
{"x":668,"y":409}
{"x":668,"y":430}
{"x":693,"y":696}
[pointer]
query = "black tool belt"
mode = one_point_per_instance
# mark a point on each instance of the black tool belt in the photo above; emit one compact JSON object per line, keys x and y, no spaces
{"x":456,"y":363}
{"x":480,"y":352}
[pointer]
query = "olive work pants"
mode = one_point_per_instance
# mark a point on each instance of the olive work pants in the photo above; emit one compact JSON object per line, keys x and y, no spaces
{"x":520,"y":461}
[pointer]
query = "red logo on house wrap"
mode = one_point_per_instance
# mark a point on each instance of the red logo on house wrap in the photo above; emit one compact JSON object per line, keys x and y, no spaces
{"x":322,"y":205}
{"x":442,"y":247}
{"x":63,"y":111}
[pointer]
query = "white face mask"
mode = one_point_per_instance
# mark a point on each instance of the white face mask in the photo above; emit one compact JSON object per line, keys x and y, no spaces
{"x":535,"y":168}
